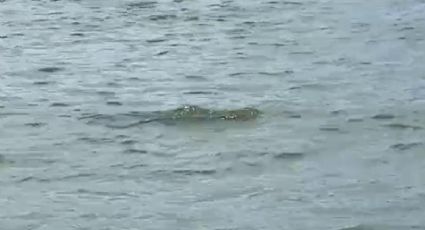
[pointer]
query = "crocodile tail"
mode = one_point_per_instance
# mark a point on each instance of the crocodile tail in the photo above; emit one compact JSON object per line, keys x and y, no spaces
{"x":130,"y":125}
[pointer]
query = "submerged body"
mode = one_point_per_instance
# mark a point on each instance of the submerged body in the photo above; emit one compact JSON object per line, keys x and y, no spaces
{"x":192,"y":113}
{"x":3,"y":162}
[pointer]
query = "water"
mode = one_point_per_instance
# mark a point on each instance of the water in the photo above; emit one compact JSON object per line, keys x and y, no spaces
{"x":339,"y":145}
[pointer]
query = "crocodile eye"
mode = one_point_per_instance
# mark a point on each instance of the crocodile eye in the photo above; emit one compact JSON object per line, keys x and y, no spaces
{"x":231,"y":117}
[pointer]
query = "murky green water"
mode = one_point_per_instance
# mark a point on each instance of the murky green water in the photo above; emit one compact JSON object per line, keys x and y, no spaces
{"x":339,"y":144}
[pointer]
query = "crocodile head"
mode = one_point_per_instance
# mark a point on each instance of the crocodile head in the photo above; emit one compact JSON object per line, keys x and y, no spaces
{"x":190,"y":112}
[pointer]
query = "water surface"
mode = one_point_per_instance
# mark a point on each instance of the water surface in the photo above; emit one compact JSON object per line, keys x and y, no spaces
{"x":339,"y":145}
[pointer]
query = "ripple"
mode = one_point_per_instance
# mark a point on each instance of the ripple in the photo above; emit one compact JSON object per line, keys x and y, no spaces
{"x":18,"y":34}
{"x":103,"y":193}
{"x":301,"y":52}
{"x":406,"y":28}
{"x":128,"y":142}
{"x":114,"y":103}
{"x":355,"y":119}
{"x":59,"y":104}
{"x":277,"y":74}
{"x":289,"y":155}
{"x":295,"y":116}
{"x":329,"y":129}
{"x":77,"y":34}
{"x":383,"y":116}
{"x":45,"y":180}
{"x":12,"y":114}
{"x":196,"y":77}
{"x":50,"y":69}
{"x":403,"y":147}
{"x":135,"y":166}
{"x":42,"y":82}
{"x":35,"y":124}
{"x":143,"y":4}
{"x":192,"y":18}
{"x":162,"y":53}
{"x":122,"y":136}
{"x":292,"y":3}
{"x":156,"y":40}
{"x":135,"y":151}
{"x":114,"y":84}
{"x":188,"y":172}
{"x":200,"y":92}
{"x":338,"y":112}
{"x":92,"y":116}
{"x":402,"y":126}
{"x":162,"y":17}
{"x":358,"y":227}
{"x":237,"y":74}
{"x":96,"y":140}
{"x":106,"y":93}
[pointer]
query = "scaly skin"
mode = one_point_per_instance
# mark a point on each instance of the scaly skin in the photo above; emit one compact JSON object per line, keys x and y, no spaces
{"x":191,"y":112}
{"x":243,"y":114}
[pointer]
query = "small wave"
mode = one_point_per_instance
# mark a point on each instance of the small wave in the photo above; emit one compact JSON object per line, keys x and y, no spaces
{"x":402,"y":126}
{"x":12,"y":114}
{"x":35,"y":124}
{"x":40,"y":83}
{"x":406,"y":146}
{"x":50,"y":69}
{"x":101,"y":193}
{"x":188,"y":172}
{"x":59,"y":104}
{"x":114,"y":103}
{"x":135,"y":151}
{"x":143,"y":4}
{"x":383,"y":116}
{"x":96,"y":140}
{"x":46,"y":180}
{"x":156,"y":40}
{"x":289,"y":155}
{"x":200,"y":92}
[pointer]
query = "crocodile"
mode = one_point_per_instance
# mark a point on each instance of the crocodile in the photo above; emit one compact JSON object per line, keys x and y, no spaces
{"x":191,"y":113}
